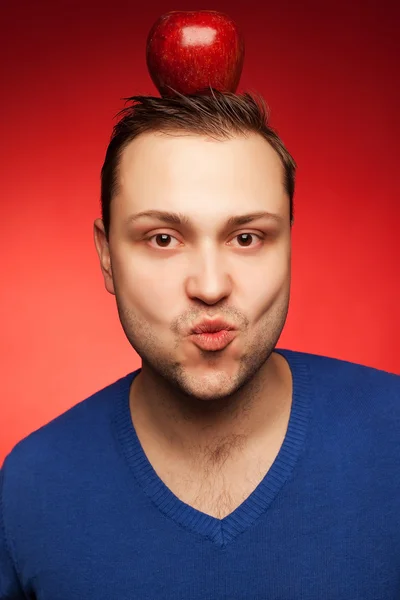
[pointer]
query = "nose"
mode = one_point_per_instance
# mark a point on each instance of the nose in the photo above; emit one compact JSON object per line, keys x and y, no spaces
{"x":208,"y":279}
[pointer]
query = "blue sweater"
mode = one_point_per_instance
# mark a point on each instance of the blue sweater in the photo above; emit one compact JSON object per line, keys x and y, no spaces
{"x":84,"y":516}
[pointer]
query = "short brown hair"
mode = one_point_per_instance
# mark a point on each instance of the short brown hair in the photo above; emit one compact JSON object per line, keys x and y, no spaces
{"x":216,"y":114}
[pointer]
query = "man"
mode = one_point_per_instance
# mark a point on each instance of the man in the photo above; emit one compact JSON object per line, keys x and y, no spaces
{"x":223,"y":468}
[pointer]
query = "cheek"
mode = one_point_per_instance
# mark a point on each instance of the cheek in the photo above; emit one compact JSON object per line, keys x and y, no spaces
{"x":153,"y":293}
{"x":265,"y":283}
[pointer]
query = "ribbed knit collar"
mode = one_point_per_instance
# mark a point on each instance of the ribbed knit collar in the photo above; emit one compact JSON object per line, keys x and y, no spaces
{"x":220,"y":531}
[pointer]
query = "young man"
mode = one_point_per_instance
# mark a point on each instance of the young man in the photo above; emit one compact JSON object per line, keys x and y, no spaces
{"x":223,"y":468}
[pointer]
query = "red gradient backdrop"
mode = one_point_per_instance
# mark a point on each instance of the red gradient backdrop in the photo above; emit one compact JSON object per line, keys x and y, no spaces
{"x":328,"y":70}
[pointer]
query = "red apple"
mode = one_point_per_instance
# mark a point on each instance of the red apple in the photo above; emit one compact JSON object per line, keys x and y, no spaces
{"x":194,"y":50}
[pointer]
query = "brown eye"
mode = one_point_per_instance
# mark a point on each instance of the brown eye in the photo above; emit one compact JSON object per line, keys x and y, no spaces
{"x":162,"y":239}
{"x":246,"y":237}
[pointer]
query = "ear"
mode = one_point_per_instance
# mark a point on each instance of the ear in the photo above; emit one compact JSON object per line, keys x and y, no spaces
{"x":103,"y":252}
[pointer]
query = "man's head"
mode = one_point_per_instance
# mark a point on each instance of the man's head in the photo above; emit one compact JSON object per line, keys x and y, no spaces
{"x":208,"y":159}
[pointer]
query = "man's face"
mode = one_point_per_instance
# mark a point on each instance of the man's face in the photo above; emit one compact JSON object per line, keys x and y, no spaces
{"x":167,"y":277}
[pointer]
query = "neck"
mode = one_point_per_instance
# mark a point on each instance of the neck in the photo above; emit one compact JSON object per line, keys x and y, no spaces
{"x":212,"y":430}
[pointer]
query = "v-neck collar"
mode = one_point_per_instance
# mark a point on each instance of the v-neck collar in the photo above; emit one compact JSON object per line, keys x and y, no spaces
{"x":220,"y":531}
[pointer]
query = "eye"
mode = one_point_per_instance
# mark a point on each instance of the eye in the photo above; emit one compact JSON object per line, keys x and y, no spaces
{"x":163,"y":239}
{"x":248,"y":237}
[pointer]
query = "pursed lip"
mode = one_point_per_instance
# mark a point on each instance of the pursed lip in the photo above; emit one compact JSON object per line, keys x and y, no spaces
{"x":211,"y":326}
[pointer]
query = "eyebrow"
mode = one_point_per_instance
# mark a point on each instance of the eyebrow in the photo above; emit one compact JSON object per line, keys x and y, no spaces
{"x":175,"y":218}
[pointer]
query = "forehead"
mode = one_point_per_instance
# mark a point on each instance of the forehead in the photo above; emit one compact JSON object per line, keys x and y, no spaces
{"x":175,"y":171}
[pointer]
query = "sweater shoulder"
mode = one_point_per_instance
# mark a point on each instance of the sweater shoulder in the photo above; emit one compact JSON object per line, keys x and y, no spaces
{"x":330,"y":371}
{"x":64,"y":438}
{"x":354,"y":378}
{"x":346,"y":389}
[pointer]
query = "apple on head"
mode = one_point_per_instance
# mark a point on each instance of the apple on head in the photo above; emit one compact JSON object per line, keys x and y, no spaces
{"x":193,"y":51}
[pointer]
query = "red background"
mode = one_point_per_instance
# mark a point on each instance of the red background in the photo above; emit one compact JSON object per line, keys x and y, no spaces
{"x":329,"y":71}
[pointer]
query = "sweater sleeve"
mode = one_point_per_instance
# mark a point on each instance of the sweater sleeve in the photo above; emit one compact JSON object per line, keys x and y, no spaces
{"x":10,"y":588}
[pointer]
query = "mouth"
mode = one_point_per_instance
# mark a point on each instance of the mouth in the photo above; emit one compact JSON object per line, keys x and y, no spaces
{"x":215,"y":326}
{"x":213,"y":341}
